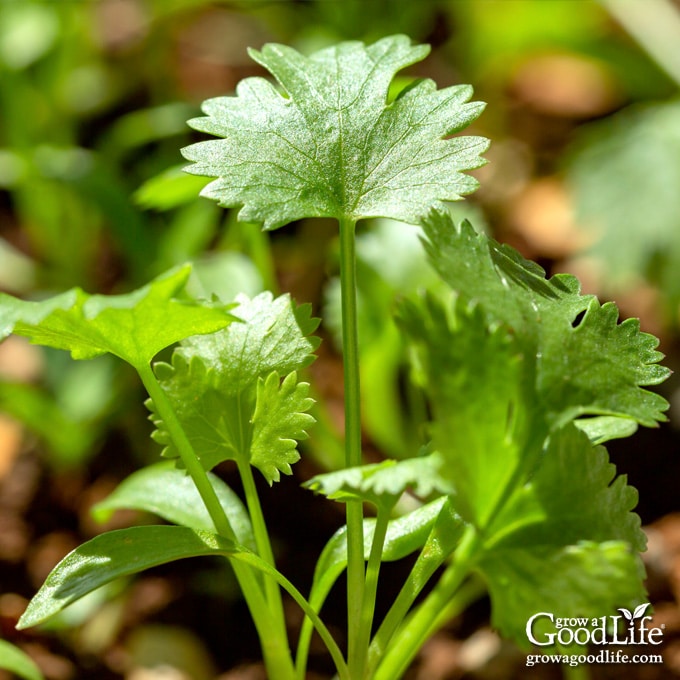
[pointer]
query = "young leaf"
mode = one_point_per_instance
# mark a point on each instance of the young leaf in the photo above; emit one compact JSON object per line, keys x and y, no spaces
{"x":170,"y":493}
{"x":567,"y":540}
{"x":327,"y":144}
{"x":587,"y":363}
{"x":383,"y":483}
{"x":16,"y":661}
{"x":135,"y":326}
{"x":279,"y":423}
{"x":226,"y":388}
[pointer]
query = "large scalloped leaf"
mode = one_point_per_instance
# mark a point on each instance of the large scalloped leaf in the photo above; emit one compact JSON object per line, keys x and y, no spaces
{"x":586,"y":362}
{"x":134,"y":326}
{"x":328,"y":143}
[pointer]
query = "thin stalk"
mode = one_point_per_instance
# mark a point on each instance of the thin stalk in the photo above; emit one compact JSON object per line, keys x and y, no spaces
{"x":321,"y":629}
{"x":427,"y":564}
{"x":469,"y":592}
{"x":371,"y":585}
{"x":186,"y":452}
{"x":263,"y":544}
{"x":275,"y":648}
{"x":353,"y":457}
{"x":415,"y":631}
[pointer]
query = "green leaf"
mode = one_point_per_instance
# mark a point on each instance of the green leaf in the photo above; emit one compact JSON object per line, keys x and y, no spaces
{"x":114,"y":554}
{"x":129,"y":551}
{"x":226,"y":389}
{"x":382,"y":483}
{"x":586,"y":362}
{"x":168,"y":190}
{"x":69,"y":439}
{"x":170,"y":493}
{"x":601,"y":429}
{"x":13,"y":310}
{"x":567,"y":540}
{"x":584,"y":580}
{"x":279,"y":423}
{"x":16,"y":661}
{"x":327,"y":143}
{"x":135,"y":326}
{"x":481,"y":425}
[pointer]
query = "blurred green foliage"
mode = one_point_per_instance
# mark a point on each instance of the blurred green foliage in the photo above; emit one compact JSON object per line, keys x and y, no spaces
{"x":93,"y":101}
{"x":94,"y":96}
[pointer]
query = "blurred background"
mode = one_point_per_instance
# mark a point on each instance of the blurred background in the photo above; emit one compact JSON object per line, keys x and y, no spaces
{"x":583,"y":176}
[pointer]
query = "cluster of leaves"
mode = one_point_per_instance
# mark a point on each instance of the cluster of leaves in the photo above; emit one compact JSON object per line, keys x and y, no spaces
{"x":524,"y":376}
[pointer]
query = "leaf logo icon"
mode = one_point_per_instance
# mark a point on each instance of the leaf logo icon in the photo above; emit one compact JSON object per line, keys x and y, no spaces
{"x":636,"y":614}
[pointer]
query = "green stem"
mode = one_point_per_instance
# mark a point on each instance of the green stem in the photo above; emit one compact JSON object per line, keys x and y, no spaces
{"x":307,"y":608}
{"x":263,"y":544}
{"x":442,"y":541}
{"x":415,"y":631}
{"x":275,"y":648}
{"x":186,"y":452}
{"x":353,"y":457}
{"x":371,"y":586}
{"x":469,"y":592}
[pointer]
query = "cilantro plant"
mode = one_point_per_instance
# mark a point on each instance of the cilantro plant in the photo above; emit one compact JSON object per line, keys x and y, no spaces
{"x":524,"y":377}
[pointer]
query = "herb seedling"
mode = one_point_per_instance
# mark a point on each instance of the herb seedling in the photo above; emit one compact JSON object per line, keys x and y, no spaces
{"x":525,"y":379}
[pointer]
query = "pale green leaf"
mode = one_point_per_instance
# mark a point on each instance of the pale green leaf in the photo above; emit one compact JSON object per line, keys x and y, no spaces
{"x":170,"y":493}
{"x":586,"y":363}
{"x":168,"y":190}
{"x":134,"y":326}
{"x":13,"y":310}
{"x":129,"y":551}
{"x":16,"y":661}
{"x":328,"y":144}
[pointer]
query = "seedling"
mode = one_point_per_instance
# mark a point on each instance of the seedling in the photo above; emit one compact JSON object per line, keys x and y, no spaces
{"x":525,"y":379}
